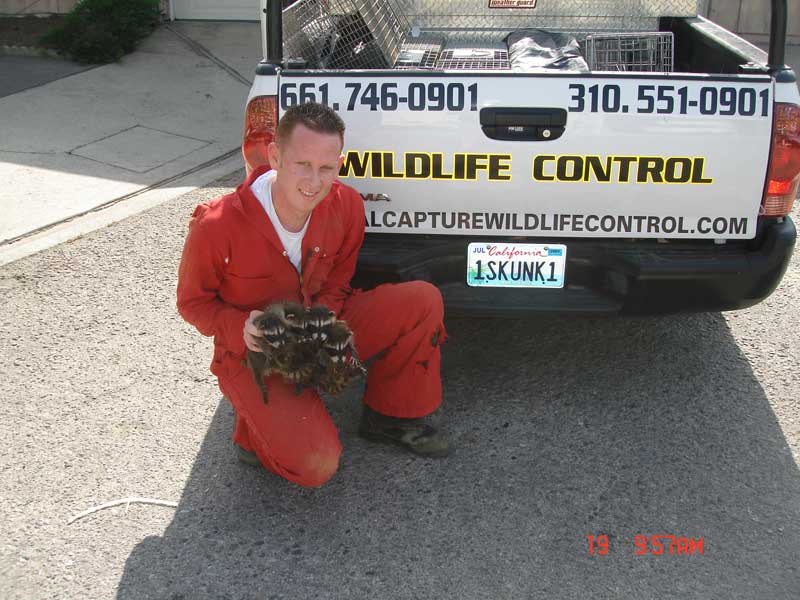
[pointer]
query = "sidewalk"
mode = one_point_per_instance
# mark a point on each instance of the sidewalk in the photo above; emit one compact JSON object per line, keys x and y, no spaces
{"x":169,"y":116}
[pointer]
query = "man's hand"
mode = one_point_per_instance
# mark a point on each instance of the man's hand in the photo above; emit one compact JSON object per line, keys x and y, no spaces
{"x":251,"y":332}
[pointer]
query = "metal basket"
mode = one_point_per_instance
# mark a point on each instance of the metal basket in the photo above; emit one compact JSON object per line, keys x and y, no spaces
{"x":644,"y":51}
{"x":474,"y":58}
{"x":344,"y":34}
{"x":418,"y":54}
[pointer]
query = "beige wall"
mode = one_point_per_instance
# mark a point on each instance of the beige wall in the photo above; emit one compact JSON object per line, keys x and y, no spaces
{"x":750,"y":16}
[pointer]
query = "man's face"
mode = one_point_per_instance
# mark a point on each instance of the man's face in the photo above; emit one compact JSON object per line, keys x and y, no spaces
{"x":308,"y":163}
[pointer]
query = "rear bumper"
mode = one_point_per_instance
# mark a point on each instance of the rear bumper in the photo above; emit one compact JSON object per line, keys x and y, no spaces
{"x":603,"y":276}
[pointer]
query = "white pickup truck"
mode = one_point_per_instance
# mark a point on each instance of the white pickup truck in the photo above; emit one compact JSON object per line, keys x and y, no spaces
{"x":562,"y":156}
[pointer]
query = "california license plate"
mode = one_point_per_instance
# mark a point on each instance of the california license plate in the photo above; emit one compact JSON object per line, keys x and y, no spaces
{"x":493,"y":264}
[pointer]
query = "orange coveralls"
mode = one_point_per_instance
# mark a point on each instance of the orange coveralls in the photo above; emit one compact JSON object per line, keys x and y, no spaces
{"x":233,"y":262}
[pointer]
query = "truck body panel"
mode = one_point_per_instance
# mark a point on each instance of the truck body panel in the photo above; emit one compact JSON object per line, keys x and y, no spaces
{"x":661,"y":157}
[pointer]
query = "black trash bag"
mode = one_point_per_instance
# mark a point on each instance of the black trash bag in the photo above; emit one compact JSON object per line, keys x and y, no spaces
{"x":537,"y":50}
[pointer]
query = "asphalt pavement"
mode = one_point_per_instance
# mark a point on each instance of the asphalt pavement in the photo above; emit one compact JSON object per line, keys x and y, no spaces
{"x":564,"y":428}
{"x":18,"y":73}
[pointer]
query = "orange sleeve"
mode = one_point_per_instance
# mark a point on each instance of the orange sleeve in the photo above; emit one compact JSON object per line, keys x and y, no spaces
{"x":200,"y":275}
{"x":337,"y":285}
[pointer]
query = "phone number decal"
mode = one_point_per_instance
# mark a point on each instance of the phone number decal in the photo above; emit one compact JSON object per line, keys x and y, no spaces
{"x":415,"y":96}
{"x":671,"y":100}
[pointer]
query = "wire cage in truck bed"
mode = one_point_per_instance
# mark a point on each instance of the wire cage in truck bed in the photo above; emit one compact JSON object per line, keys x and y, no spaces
{"x":344,"y":34}
{"x":379,"y":34}
{"x":649,"y":51}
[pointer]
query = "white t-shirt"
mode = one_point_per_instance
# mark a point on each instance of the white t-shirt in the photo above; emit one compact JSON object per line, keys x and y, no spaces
{"x":292,"y":242}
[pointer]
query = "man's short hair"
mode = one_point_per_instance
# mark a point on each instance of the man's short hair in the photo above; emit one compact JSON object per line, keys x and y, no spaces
{"x":317,"y":117}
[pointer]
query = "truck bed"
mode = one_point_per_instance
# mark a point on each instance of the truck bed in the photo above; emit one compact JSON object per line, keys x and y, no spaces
{"x":653,"y":36}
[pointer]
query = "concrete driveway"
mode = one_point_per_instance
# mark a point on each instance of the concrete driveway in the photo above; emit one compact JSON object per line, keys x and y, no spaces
{"x":98,"y":136}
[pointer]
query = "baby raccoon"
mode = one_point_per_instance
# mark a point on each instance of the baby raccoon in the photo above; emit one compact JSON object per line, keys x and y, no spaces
{"x":337,"y":361}
{"x":281,"y":323}
{"x":338,"y":341}
{"x":318,"y":318}
{"x":296,"y":316}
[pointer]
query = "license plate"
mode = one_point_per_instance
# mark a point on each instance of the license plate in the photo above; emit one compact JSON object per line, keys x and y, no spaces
{"x":492,"y":264}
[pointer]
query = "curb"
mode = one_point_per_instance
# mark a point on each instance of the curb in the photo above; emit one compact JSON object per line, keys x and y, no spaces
{"x":120,"y":208}
{"x":29,"y":51}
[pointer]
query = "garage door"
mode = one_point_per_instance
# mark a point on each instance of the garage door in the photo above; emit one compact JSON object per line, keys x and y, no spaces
{"x":222,"y":10}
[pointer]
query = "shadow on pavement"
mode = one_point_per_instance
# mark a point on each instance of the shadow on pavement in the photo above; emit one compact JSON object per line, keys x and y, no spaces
{"x":564,"y":428}
{"x":18,"y":73}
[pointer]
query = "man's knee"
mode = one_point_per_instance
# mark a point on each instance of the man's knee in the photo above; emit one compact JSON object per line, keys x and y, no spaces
{"x":317,"y":468}
{"x":292,"y":435}
{"x":428,"y":297}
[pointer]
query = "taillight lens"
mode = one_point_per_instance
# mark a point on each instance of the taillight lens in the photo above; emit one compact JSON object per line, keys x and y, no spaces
{"x":784,"y":162}
{"x":261,"y":119}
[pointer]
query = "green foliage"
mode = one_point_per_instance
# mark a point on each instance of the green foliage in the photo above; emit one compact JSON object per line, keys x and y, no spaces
{"x":102,"y":31}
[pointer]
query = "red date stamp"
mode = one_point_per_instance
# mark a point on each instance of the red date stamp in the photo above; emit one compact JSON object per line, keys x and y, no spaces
{"x":651,"y":544}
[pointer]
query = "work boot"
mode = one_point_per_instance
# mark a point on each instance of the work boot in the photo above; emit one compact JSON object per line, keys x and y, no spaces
{"x":415,"y":435}
{"x":249,"y":458}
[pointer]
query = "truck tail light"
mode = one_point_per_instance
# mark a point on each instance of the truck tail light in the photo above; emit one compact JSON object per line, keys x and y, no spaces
{"x":260,"y":121}
{"x":784,"y":162}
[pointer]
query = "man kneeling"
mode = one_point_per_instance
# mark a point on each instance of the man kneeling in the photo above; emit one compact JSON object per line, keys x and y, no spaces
{"x":291,"y":232}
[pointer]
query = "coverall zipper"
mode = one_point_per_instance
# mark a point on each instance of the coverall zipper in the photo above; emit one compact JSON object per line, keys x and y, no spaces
{"x":303,"y":268}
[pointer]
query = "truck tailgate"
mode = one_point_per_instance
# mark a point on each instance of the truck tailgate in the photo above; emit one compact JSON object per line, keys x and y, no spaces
{"x":601,"y":155}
